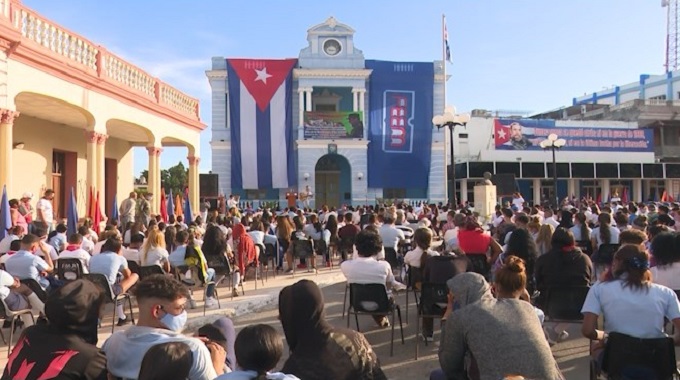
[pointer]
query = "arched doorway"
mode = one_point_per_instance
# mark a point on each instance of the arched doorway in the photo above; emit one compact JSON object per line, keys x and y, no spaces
{"x":333,"y":182}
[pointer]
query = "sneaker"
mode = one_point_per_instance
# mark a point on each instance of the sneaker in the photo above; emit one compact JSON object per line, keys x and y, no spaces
{"x":234,"y":292}
{"x":210,"y":302}
{"x":385,"y":323}
{"x":289,"y":270}
{"x":122,"y":322}
{"x":562,"y":336}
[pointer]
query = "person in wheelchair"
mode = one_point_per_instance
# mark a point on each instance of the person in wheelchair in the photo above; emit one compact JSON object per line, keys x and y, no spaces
{"x":629,"y":302}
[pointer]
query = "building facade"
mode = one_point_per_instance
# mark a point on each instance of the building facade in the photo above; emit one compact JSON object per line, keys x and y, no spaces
{"x":331,"y":80}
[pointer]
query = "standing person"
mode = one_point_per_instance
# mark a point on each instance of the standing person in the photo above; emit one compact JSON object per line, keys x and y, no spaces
{"x":518,"y":200}
{"x":143,"y":213}
{"x":26,"y":209}
{"x":317,"y":349}
{"x":46,"y":210}
{"x":127,"y":210}
{"x":305,"y":196}
{"x":17,"y":218}
{"x":204,"y":208}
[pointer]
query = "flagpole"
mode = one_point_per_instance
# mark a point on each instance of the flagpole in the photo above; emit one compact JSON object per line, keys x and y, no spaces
{"x":446,"y":159}
{"x":444,"y":55}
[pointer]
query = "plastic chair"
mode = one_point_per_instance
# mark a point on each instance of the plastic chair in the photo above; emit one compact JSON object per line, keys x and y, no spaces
{"x":36,"y":288}
{"x":346,"y":247}
{"x":109,"y":297}
{"x":302,"y":249}
{"x":133,"y":266}
{"x":413,"y":276}
{"x":372,"y":299}
{"x":625,"y":355}
{"x":269,"y":255}
{"x":564,"y":303}
{"x":69,"y":269}
{"x":149,"y":270}
{"x":261,"y":248}
{"x":12,"y":316}
{"x":433,"y":302}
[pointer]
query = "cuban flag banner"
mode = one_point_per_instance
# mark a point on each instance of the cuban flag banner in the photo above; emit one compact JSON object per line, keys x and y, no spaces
{"x":400,"y":133}
{"x":261,"y":119}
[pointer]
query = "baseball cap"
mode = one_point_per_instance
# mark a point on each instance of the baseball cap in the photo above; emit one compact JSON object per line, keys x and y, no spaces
{"x":27,"y":194}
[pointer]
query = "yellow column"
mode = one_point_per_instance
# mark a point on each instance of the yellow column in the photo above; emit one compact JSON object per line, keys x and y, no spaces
{"x":194,"y":191}
{"x":101,"y":171}
{"x":7,"y":118}
{"x":154,"y":180}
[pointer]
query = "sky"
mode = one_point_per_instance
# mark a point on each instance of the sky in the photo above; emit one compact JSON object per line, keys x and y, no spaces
{"x":520,"y":55}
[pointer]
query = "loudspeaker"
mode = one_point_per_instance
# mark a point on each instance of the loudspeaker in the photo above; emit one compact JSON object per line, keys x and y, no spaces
{"x":505,"y":184}
{"x":208,"y":185}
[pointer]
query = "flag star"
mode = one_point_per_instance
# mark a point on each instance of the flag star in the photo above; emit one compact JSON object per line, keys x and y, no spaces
{"x":262,"y":75}
{"x":501,"y":134}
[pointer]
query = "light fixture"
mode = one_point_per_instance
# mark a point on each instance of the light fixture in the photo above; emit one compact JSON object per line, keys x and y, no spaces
{"x":554,"y":143}
{"x":360,"y":176}
{"x":306,"y":175}
{"x":451,"y":119}
{"x":19,"y":145}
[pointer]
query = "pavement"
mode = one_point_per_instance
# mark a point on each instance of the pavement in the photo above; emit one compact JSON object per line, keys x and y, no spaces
{"x":260,"y":306}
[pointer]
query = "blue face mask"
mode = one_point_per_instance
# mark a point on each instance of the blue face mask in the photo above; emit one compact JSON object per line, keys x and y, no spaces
{"x":174,"y":322}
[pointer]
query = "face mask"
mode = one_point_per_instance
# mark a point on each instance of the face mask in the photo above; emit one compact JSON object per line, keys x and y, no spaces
{"x":174,"y":322}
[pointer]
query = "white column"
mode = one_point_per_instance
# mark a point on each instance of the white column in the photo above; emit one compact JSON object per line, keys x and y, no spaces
{"x":154,"y":180}
{"x":463,"y":190}
{"x":637,"y":191}
{"x":7,"y":118}
{"x":355,"y":100}
{"x":301,"y":106}
{"x":571,"y":188}
{"x":606,"y":191}
{"x":308,"y":106}
{"x":91,"y":139}
{"x":101,"y":171}
{"x":194,"y":190}
{"x":362,"y":102}
{"x":537,"y":191}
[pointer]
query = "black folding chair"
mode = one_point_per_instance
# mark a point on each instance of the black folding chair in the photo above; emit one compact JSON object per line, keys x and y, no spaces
{"x":413,"y":277}
{"x":69,"y":269}
{"x":134,"y":267}
{"x":392,"y":257}
{"x":269,"y":255}
{"x":480,"y":264}
{"x":563,"y":303}
{"x":372,"y":299}
{"x":626,"y":357}
{"x":433,"y":302}
{"x":110,"y":297}
{"x":605,"y":254}
{"x":150,"y":270}
{"x":302,"y":249}
{"x":261,"y":248}
{"x":11,"y":315}
{"x":36,"y":288}
{"x":346,"y":247}
{"x":586,"y":246}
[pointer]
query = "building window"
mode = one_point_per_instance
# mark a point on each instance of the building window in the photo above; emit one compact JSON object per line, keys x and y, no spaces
{"x":590,"y":189}
{"x":256,"y":194}
{"x":463,"y":136}
{"x":660,"y":97}
{"x":394,"y":193}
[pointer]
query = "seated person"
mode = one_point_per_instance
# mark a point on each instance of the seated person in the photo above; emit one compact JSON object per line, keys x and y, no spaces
{"x":367,"y":270}
{"x":176,"y":257}
{"x":14,"y":233}
{"x":666,"y":253}
{"x":416,"y":258}
{"x":633,"y":304}
{"x":500,"y":334}
{"x":64,"y":348}
{"x":111,"y":264}
{"x":26,"y":265}
{"x":162,"y":317}
{"x":258,"y":349}
{"x":44,"y":249}
{"x":18,"y":296}
{"x":245,"y":253}
{"x":153,"y":251}
{"x":87,"y":244}
{"x":59,"y":240}
{"x":74,"y":251}
{"x":194,"y":258}
{"x":131,"y":253}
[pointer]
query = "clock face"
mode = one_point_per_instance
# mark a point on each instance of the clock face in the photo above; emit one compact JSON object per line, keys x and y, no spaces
{"x":332,"y":47}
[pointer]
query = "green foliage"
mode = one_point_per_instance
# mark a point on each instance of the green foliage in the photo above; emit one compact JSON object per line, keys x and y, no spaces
{"x":175,"y":178}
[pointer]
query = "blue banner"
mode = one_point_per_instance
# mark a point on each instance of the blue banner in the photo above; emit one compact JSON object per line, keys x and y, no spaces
{"x":400,"y":124}
{"x":527,"y":134}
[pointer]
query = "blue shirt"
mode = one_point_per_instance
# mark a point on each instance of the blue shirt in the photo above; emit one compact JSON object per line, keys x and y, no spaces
{"x":636,"y":312}
{"x":26,"y":265}
{"x":109,"y":264}
{"x":176,"y":258}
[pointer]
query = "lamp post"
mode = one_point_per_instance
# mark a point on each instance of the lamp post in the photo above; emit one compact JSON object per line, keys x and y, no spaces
{"x":451,"y":119}
{"x":553,"y":143}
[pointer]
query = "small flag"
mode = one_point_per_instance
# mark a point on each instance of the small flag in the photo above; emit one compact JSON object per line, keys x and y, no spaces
{"x":72,"y":217}
{"x":114,"y":209}
{"x":446,"y":42}
{"x":90,"y":204}
{"x":624,"y":197}
{"x":97,"y":219}
{"x":171,"y":204}
{"x":188,"y":215}
{"x":5,"y":216}
{"x":164,"y":206}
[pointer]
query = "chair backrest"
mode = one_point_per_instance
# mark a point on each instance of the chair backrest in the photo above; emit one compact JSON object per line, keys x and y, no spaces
{"x":370,"y":298}
{"x":346,"y":244}
{"x":647,"y":358}
{"x":3,"y":310}
{"x":605,"y":253}
{"x":219,"y":263}
{"x":391,"y":256}
{"x":270,"y":250}
{"x":565,"y":302}
{"x":133,"y":266}
{"x":414,"y":275}
{"x":69,"y":269}
{"x":433,"y":298}
{"x":149,"y":270}
{"x":320,"y":246}
{"x":261,"y":248}
{"x":36,"y":288}
{"x":101,"y":281}
{"x":302,"y":248}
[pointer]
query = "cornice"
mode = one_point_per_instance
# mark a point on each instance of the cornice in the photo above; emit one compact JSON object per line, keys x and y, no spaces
{"x":216,"y":74}
{"x":332,"y":73}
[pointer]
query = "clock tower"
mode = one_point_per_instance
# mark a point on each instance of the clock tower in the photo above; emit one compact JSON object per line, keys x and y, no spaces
{"x":331,"y":46}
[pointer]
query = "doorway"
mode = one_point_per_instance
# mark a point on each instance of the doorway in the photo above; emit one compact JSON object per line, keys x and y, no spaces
{"x":111,"y":186}
{"x":64,"y":178}
{"x":332,"y":181}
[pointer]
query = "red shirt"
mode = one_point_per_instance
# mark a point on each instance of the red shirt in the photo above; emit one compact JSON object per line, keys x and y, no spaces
{"x":473,"y":242}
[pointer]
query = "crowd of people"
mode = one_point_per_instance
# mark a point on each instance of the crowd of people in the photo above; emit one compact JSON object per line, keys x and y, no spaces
{"x":499,"y":277}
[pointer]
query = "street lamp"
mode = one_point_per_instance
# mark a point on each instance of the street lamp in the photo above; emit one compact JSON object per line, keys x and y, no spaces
{"x":451,"y":119}
{"x":553,"y":143}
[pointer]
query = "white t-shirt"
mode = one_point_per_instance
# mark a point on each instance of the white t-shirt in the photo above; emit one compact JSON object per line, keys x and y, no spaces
{"x":155,"y":256}
{"x":79,"y":254}
{"x":46,"y":207}
{"x":413,"y":257}
{"x":668,"y":275}
{"x":6,"y":280}
{"x":614,"y":239}
{"x":519,"y":202}
{"x":131,"y":254}
{"x":6,"y":242}
{"x":87,"y":245}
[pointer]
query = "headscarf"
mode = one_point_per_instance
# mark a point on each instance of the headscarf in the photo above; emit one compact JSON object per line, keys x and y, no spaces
{"x":246,"y":247}
{"x":74,"y":309}
{"x":468,"y":288}
{"x":301,"y":310}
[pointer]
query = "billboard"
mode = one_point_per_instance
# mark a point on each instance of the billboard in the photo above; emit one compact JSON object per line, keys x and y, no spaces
{"x":527,"y":134}
{"x":334,"y":125}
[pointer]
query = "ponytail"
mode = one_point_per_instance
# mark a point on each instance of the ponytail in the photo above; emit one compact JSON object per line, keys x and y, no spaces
{"x":605,"y":221}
